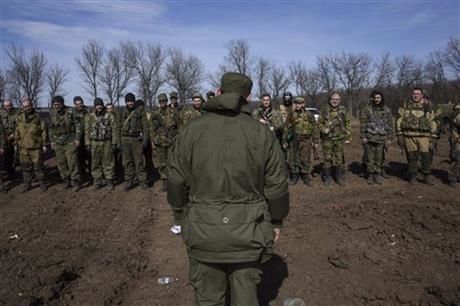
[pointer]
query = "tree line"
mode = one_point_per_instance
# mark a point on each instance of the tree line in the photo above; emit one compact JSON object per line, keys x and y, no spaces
{"x":148,"y":68}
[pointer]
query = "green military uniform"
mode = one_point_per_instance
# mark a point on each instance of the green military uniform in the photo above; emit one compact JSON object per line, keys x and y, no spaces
{"x":188,"y":113}
{"x":228,"y":178}
{"x":8,"y":120}
{"x":101,"y":135}
{"x":134,"y":137}
{"x":335,"y":129}
{"x":454,"y":123}
{"x":164,"y":124}
{"x":376,"y":131}
{"x":84,"y":157}
{"x":65,"y":135}
{"x":305,"y":135}
{"x":273,"y":119}
{"x":2,"y":155}
{"x":417,"y":132}
{"x":31,"y":136}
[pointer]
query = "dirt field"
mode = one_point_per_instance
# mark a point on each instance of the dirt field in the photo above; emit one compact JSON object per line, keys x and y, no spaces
{"x":358,"y":245}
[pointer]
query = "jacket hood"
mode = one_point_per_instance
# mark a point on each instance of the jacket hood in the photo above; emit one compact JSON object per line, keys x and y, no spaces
{"x":225,"y":103}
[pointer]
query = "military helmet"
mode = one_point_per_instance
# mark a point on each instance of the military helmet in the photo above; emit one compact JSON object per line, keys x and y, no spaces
{"x":173,"y":95}
{"x":162,"y":97}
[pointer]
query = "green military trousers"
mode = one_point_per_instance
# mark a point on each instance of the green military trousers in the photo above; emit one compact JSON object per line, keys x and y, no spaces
{"x":300,"y":156}
{"x":374,"y":157}
{"x":67,"y":161}
{"x":334,"y":153}
{"x":133,"y":159}
{"x":211,"y":280}
{"x":32,"y":162}
{"x":160,"y":156}
{"x":103,"y":162}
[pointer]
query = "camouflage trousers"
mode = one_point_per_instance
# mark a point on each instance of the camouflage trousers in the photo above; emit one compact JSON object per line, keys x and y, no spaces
{"x":418,"y":148}
{"x":211,"y":280}
{"x":103,"y":162}
{"x":7,"y":161}
{"x":32,"y":162}
{"x":160,"y":156}
{"x":133,"y":159}
{"x":334,"y":153}
{"x":67,"y":161}
{"x":299,"y":161}
{"x":454,"y":170}
{"x":375,"y":153}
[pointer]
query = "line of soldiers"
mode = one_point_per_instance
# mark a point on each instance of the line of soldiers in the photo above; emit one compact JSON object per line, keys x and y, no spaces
{"x":417,"y":129}
{"x":101,"y":146}
{"x":105,"y":145}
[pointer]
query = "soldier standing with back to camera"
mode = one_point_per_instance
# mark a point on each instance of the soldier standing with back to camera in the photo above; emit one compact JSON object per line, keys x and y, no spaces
{"x":376,"y":131}
{"x":65,"y":135}
{"x":101,"y":138}
{"x":31,"y":138}
{"x":134,"y":138}
{"x":335,"y":128}
{"x":8,"y":117}
{"x":305,"y":137}
{"x":417,"y":133}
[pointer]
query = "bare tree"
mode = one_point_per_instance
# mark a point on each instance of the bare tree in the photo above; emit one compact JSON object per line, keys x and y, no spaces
{"x":27,"y":71}
{"x":409,"y":71}
{"x":13,"y":89}
{"x":312,"y":86}
{"x":89,"y":65}
{"x":213,"y":78}
{"x":184,"y":73}
{"x":3,"y":84}
{"x":149,"y":70}
{"x":117,"y":70}
{"x":238,"y":58}
{"x":353,"y":71}
{"x":297,"y":74}
{"x":279,"y":81}
{"x":452,"y":55}
{"x":434,"y":72}
{"x":55,"y":79}
{"x":262,"y":70}
{"x":384,"y":71}
{"x":327,"y":74}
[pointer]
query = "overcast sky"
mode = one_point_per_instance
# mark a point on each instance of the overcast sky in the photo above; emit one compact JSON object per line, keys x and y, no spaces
{"x":280,"y":30}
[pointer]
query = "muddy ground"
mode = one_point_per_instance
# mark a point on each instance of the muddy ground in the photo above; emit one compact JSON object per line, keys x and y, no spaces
{"x":355,"y":245}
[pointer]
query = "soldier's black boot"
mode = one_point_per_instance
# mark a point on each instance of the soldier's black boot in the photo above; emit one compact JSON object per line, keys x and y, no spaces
{"x":384,"y":174}
{"x":370,"y":179}
{"x":110,"y":185}
{"x":327,"y":176}
{"x":339,"y":176}
{"x":293,"y":179}
{"x":164,"y":185}
{"x":43,"y":186}
{"x":428,"y":179}
{"x":26,"y":187}
{"x":378,"y":179}
{"x":67,"y":184}
{"x":306,"y":179}
{"x":129,"y":184}
{"x":76,"y":186}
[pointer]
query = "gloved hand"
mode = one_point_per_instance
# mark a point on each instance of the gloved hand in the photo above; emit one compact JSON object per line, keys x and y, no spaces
{"x":401,"y":140}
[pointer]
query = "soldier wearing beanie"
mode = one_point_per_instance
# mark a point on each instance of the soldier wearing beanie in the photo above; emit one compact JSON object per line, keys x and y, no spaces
{"x":102,"y":139}
{"x":65,"y":135}
{"x":134,"y":134}
{"x":229,"y":171}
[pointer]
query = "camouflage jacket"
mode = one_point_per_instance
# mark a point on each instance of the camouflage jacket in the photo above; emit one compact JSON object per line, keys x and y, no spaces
{"x":31,"y":132}
{"x":376,"y":123}
{"x":80,"y":115}
{"x":228,"y":172}
{"x":270,"y":117}
{"x":304,"y":125}
{"x":335,"y":123}
{"x":2,"y":137}
{"x":164,"y":123}
{"x":8,"y":120}
{"x":188,"y":113}
{"x":101,"y":127}
{"x":64,"y":127}
{"x":416,"y":120}
{"x":454,"y":123}
{"x":133,"y":123}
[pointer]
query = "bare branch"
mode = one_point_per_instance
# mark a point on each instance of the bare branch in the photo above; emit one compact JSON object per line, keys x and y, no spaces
{"x":238,"y":58}
{"x":55,"y":79}
{"x":89,"y":65}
